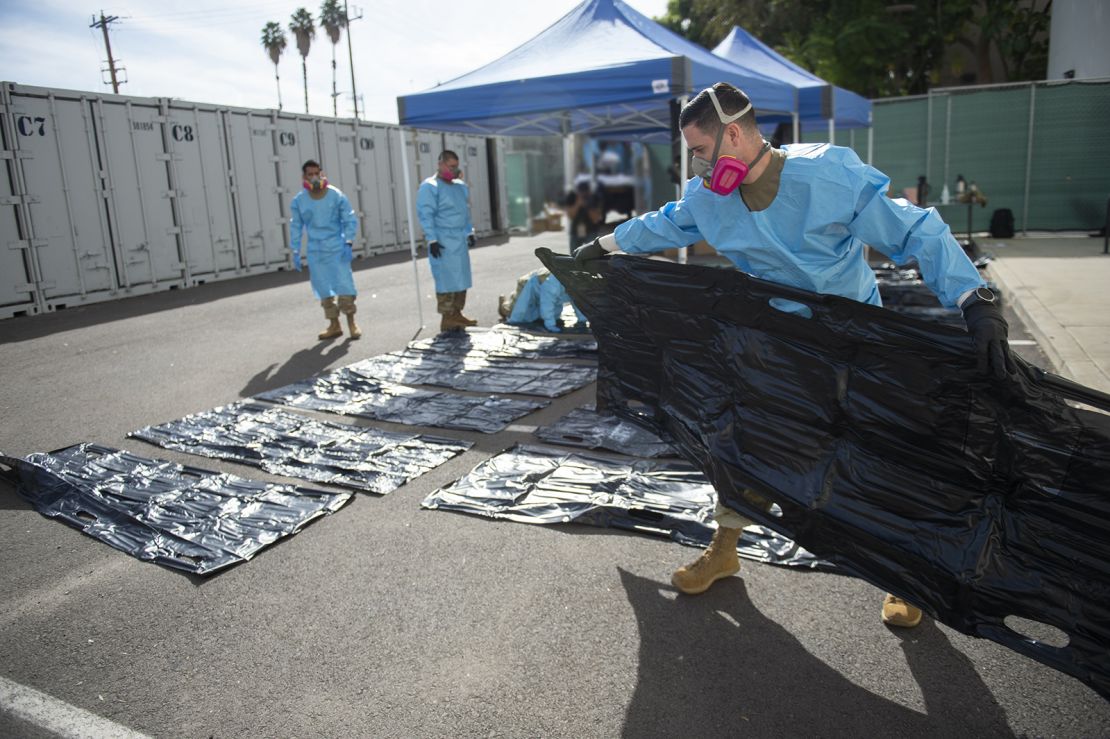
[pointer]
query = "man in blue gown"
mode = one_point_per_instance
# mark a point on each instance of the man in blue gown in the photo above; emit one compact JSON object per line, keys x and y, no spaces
{"x":443,"y":206}
{"x":326,"y":214}
{"x":800,"y":216}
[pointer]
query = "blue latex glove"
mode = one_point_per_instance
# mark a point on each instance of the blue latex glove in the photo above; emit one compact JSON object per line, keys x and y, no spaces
{"x":435,"y":248}
{"x":297,"y":260}
{"x":471,"y":240}
{"x":348,"y":254}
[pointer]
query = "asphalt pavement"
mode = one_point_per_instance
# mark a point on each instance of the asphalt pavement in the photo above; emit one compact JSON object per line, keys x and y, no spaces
{"x":386,"y":620}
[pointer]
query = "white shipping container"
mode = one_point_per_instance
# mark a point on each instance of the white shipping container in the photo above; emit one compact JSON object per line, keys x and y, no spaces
{"x":474,"y":161}
{"x":254,"y":189}
{"x":131,"y":133}
{"x":18,"y":294}
{"x":64,"y":218}
{"x":296,"y":144}
{"x":109,"y":195}
{"x":377,"y":188}
{"x":339,"y":159}
{"x":200,"y":175}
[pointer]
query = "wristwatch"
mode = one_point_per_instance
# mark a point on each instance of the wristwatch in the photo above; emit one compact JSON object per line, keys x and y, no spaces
{"x":979,"y":295}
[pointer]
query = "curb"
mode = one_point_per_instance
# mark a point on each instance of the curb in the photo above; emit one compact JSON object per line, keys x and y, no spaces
{"x":1054,"y":339}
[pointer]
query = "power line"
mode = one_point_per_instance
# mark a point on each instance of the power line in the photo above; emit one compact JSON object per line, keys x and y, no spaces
{"x":238,"y":9}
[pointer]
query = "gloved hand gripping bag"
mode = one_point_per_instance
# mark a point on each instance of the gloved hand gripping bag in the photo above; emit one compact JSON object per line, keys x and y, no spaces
{"x":887,"y":451}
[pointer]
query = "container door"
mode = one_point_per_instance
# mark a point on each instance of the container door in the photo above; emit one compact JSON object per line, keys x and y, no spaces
{"x":132,"y":145}
{"x":477,"y":155}
{"x":201,"y":183}
{"x":296,"y":139}
{"x":338,"y":157}
{"x":17,"y":288}
{"x":376,"y":177}
{"x":429,"y":145}
{"x":66,"y":217}
{"x":398,"y":158}
{"x":254,"y":189}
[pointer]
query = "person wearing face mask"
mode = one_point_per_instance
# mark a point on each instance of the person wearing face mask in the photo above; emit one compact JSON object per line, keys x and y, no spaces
{"x":326,"y":214}
{"x":801,"y":216}
{"x":443,"y":206}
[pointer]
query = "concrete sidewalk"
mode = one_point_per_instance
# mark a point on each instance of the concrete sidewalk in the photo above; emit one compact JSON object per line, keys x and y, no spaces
{"x":1059,"y":286}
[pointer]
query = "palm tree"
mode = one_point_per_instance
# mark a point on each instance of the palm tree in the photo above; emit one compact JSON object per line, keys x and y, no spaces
{"x":333,"y":19}
{"x":304,"y":30}
{"x":273,"y":39}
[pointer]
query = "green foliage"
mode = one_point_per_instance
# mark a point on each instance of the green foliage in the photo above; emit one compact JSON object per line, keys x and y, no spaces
{"x":304,"y":29}
{"x":883,"y":48}
{"x":333,"y":19}
{"x":273,"y":39}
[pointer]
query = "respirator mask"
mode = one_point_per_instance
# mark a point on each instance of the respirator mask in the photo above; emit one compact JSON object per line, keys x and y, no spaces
{"x":722,"y":175}
{"x":316,"y":184}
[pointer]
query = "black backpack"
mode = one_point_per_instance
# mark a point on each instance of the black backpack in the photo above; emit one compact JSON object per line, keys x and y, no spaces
{"x":1002,"y":224}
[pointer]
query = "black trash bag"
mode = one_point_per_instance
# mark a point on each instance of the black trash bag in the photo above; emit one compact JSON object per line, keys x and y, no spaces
{"x":585,"y":427}
{"x":476,"y":372}
{"x":887,"y":452}
{"x":542,"y":485}
{"x":284,"y":443}
{"x":903,"y":290}
{"x":182,"y":517}
{"x":509,"y":344}
{"x":1002,"y":224}
{"x":351,"y":394}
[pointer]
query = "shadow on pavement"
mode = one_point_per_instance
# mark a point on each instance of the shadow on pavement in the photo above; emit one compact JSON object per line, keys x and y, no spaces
{"x":713,"y":665}
{"x":300,"y":366}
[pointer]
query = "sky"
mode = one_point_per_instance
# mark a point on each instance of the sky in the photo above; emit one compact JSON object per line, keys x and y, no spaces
{"x":210,"y":52}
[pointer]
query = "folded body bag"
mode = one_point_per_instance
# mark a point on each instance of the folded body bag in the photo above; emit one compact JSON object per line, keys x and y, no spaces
{"x":888,"y":454}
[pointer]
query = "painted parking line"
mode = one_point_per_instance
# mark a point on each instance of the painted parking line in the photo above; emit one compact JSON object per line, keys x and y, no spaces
{"x":51,"y":714}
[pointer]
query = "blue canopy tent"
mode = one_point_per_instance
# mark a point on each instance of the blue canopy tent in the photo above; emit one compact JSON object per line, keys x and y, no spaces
{"x":602,"y":68}
{"x":819,"y":103}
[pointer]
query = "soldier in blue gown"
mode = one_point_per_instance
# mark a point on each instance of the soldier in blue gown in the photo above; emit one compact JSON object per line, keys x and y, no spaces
{"x":443,"y":206}
{"x":801,"y":216}
{"x":326,"y":214}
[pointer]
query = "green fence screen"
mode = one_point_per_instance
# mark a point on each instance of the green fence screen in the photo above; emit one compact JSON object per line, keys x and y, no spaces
{"x":1038,"y":149}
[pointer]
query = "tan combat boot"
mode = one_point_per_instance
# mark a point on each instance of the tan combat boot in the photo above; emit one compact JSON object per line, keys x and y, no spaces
{"x":897,"y":612}
{"x":331,"y":312}
{"x":460,"y":302}
{"x":718,"y":561}
{"x":347,"y":308}
{"x":453,"y":322}
{"x":445,"y":306}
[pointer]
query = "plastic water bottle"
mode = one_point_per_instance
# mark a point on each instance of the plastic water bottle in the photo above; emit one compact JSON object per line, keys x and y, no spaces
{"x":945,"y":196}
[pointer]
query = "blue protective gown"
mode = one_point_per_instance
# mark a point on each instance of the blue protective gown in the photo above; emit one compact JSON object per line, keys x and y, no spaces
{"x":444,"y":212}
{"x":541,"y":298}
{"x":829,"y":204}
{"x":330,"y":223}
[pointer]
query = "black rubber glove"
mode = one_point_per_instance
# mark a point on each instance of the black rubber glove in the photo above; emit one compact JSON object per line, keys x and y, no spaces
{"x":471,"y":240}
{"x":435,"y":249}
{"x":589,"y":252}
{"x":989,"y":331}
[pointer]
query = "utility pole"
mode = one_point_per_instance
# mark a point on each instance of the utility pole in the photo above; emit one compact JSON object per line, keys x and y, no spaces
{"x":350,"y":54}
{"x":102,"y":24}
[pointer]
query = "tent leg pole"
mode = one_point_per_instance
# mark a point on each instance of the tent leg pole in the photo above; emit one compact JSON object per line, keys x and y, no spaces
{"x":412,"y":231}
{"x":568,"y":162}
{"x":684,"y":170}
{"x":797,"y":128}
